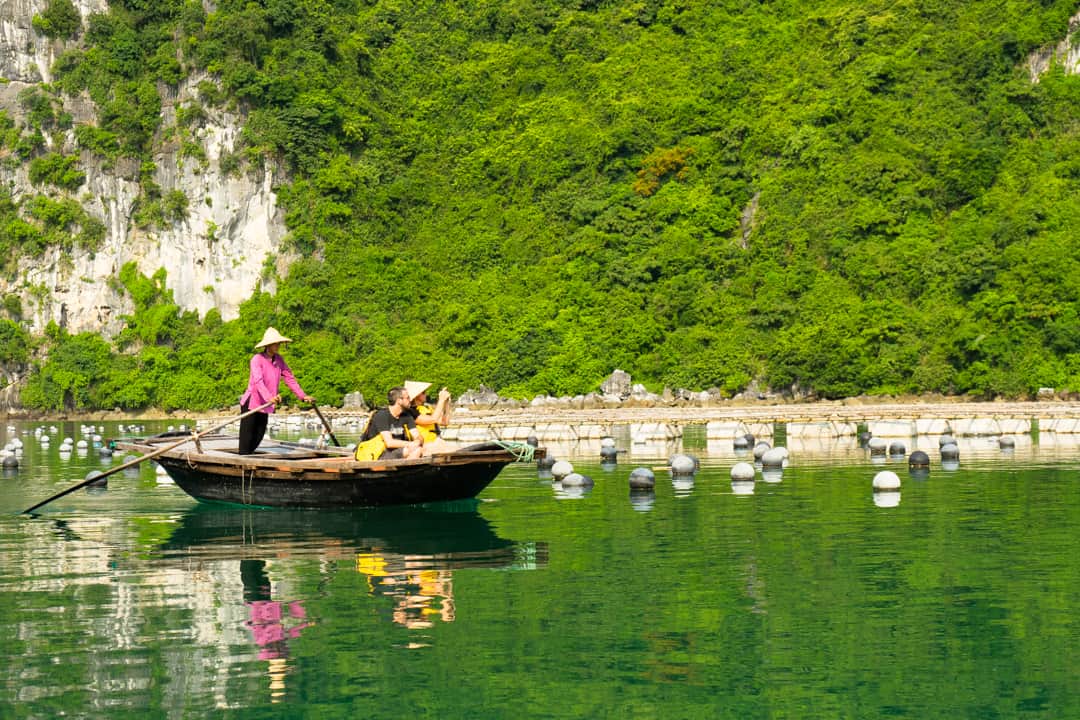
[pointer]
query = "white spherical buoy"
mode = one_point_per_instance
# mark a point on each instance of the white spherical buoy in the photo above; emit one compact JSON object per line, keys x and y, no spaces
{"x":742,"y":472}
{"x":561,"y":469}
{"x":877,"y":446}
{"x":642,"y":479}
{"x":886,"y":480}
{"x":607,"y":442}
{"x":577,"y":480}
{"x":760,"y":449}
{"x":774,"y":458}
{"x":682,"y":465}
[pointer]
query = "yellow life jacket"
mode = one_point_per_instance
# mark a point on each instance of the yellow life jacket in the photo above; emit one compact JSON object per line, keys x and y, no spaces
{"x":428,"y":432}
{"x":371,"y":449}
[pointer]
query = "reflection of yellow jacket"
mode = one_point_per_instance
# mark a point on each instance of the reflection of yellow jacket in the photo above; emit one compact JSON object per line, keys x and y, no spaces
{"x":428,"y":432}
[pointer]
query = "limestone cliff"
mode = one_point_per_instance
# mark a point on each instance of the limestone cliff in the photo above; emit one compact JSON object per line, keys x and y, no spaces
{"x":214,"y":257}
{"x":1066,"y":53}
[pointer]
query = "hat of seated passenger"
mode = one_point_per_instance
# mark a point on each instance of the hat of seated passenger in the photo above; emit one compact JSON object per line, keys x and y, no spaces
{"x":272,"y":337}
{"x":415,"y":387}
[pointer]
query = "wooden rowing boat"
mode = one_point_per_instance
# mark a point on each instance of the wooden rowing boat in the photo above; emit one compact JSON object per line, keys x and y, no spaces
{"x":284,"y":474}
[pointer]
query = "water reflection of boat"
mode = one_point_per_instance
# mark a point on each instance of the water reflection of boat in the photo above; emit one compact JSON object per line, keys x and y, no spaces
{"x":441,"y":537}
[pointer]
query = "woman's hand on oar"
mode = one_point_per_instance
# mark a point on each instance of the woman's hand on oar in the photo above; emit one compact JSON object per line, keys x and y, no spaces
{"x":136,"y":461}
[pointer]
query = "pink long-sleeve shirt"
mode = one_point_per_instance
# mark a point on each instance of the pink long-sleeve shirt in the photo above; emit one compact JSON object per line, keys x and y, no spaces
{"x":266,"y":376}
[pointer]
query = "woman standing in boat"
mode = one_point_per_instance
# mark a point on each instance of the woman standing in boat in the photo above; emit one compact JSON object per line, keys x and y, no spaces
{"x":268,"y":369}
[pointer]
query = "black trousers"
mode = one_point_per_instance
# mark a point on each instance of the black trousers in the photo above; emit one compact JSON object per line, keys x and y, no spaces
{"x":252,"y":430}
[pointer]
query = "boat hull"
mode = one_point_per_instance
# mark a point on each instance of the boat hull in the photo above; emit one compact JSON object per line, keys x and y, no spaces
{"x":288,"y":475}
{"x":403,"y":486}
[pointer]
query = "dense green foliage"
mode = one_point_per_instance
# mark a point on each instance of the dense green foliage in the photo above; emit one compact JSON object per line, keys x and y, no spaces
{"x":60,"y":19}
{"x":838,"y":197}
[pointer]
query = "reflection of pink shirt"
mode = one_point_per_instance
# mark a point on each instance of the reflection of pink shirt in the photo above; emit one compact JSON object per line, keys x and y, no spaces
{"x":267,"y":628}
{"x":266,"y":376}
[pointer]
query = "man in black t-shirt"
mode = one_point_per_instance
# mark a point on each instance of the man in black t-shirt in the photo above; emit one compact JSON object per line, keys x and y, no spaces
{"x":397,"y":427}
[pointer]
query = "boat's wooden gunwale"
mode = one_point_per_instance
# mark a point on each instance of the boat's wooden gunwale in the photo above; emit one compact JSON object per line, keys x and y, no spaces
{"x":333,"y":464}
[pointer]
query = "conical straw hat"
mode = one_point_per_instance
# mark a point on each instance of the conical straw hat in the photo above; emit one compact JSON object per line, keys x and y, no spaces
{"x":415,"y":387}
{"x":270,"y":337}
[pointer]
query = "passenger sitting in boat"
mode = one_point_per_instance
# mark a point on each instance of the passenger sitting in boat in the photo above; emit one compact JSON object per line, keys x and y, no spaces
{"x":395,"y":427}
{"x":430,"y":421}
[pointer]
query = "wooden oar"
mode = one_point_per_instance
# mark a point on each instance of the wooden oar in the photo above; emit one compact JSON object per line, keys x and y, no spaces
{"x":325,"y":424}
{"x":136,"y":461}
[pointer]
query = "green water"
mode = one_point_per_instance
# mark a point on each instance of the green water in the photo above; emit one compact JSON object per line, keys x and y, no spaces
{"x":804,"y":599}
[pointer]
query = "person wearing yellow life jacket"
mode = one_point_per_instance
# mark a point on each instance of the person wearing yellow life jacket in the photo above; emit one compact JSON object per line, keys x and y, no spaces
{"x":391,"y":432}
{"x":430,"y":420}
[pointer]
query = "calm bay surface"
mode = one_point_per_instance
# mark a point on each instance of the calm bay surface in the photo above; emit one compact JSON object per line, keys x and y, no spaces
{"x":806,"y":597}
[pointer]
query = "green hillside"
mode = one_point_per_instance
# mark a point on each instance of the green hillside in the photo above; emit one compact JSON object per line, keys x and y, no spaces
{"x":839,"y":197}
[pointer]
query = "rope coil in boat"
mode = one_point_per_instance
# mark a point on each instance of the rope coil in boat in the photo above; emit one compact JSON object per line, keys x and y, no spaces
{"x":522,"y":451}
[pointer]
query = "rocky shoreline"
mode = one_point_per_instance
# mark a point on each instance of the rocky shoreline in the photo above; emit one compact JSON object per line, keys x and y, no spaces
{"x":619,"y":400}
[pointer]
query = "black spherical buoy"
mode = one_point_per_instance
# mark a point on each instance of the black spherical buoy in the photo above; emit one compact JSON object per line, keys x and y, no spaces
{"x":897,"y":448}
{"x":96,"y":483}
{"x":609,"y":454}
{"x":1007,"y":443}
{"x":642,"y":479}
{"x":749,"y":439}
{"x":532,"y":440}
{"x":919,"y":459}
{"x":864,"y":438}
{"x":545,"y":462}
